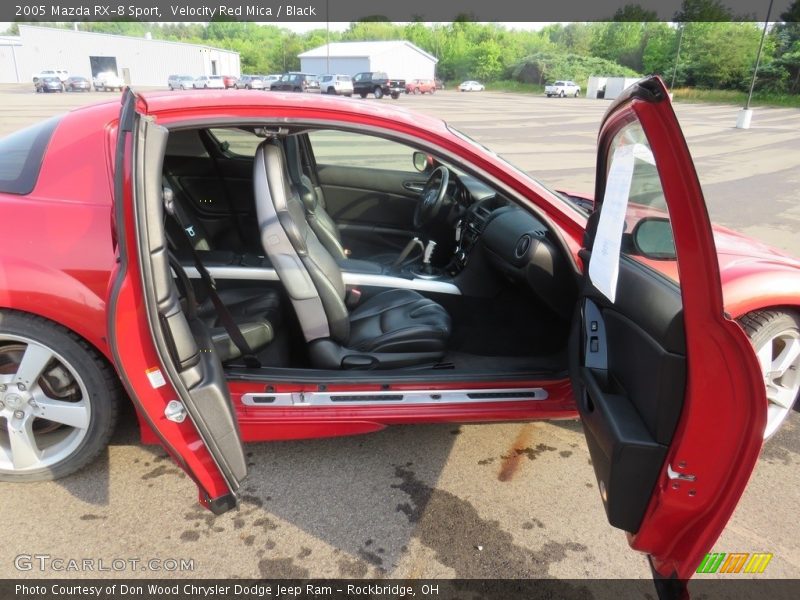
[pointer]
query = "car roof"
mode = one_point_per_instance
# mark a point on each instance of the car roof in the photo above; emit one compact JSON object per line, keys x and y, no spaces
{"x":222,"y":102}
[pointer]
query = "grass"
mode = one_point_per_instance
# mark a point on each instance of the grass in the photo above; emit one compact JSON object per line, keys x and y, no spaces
{"x":735,"y":97}
{"x":514,"y":86}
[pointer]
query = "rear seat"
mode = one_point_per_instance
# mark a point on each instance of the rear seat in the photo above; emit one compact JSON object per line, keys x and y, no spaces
{"x":257,"y":311}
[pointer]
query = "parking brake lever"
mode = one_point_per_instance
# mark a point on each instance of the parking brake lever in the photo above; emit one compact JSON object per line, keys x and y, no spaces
{"x":413,"y":243}
{"x":426,"y":258}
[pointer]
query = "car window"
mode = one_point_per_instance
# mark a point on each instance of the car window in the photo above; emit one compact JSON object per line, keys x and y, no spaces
{"x":239,"y":142}
{"x":347,"y":149}
{"x":21,"y":155}
{"x":635,"y":195}
{"x":185,"y":143}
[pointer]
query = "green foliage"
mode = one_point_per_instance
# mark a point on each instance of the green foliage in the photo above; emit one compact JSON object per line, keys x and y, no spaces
{"x":544,"y":67}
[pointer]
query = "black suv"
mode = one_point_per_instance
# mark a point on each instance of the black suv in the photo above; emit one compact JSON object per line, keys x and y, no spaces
{"x":296,"y":82}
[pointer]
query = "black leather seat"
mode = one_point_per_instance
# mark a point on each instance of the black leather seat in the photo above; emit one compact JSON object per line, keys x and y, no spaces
{"x":257,"y":311}
{"x":253,"y":318}
{"x":317,"y":215}
{"x":393,"y":329}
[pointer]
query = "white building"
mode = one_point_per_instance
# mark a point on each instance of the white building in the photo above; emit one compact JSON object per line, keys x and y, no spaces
{"x":399,"y":59}
{"x":9,"y":58}
{"x":138,"y":60}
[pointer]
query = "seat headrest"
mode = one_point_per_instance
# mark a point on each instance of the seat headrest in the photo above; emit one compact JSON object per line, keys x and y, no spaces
{"x":280,"y":192}
{"x":305,"y":188}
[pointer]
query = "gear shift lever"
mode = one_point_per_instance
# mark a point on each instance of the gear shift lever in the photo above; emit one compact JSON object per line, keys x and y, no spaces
{"x":426,"y":258}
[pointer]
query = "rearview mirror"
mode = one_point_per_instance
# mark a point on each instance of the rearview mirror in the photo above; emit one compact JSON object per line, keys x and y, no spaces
{"x":422,"y":161}
{"x":652,"y":238}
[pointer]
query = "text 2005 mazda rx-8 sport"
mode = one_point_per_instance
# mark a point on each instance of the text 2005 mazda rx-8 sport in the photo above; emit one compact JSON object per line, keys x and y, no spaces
{"x":260,"y":268}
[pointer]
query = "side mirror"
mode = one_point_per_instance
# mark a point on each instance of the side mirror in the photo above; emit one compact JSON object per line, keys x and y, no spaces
{"x":422,"y":161}
{"x":652,"y":238}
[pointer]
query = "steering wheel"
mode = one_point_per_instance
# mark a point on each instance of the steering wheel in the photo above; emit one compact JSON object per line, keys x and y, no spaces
{"x":431,"y":197}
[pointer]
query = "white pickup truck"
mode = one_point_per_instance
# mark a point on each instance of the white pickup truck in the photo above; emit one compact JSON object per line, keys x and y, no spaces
{"x":62,"y":74}
{"x":108,"y":81}
{"x":563,"y":88}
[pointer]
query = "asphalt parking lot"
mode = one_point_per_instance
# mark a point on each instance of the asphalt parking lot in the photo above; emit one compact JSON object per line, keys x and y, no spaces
{"x":505,"y":501}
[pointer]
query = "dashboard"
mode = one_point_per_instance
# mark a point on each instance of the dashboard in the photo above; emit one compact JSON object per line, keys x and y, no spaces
{"x":515,"y":244}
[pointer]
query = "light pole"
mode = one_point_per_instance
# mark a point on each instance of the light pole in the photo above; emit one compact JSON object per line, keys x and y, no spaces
{"x":746,"y":114}
{"x":327,"y":39}
{"x":677,"y":58}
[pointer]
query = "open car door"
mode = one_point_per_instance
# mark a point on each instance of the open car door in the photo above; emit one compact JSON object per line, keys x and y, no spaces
{"x":163,"y":356}
{"x":667,"y":385}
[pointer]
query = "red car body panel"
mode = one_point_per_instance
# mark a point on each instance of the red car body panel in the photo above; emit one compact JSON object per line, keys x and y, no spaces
{"x":684,"y":518}
{"x":137,"y":357}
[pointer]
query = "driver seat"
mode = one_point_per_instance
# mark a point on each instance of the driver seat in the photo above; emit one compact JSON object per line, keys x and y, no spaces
{"x":317,"y":216}
{"x":396,"y":328}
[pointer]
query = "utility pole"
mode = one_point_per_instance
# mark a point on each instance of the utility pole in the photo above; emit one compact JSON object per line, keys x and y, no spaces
{"x":677,"y":58}
{"x":327,"y":39}
{"x":746,"y":114}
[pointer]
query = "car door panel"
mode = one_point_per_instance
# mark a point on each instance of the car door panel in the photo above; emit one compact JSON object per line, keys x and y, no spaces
{"x":164,"y":358}
{"x":219,"y":196}
{"x":667,"y":385}
{"x":631,"y":388}
{"x":373,"y":208}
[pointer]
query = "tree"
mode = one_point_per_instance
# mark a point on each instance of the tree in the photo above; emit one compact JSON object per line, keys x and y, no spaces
{"x":703,"y":11}
{"x":635,"y":14}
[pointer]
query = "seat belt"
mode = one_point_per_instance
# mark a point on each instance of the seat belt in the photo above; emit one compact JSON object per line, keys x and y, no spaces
{"x":223,"y":313}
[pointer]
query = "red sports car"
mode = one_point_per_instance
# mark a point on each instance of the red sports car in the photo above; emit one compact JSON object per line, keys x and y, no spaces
{"x":248,"y":268}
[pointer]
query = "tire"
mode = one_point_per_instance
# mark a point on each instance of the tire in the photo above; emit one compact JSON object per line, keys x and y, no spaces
{"x":331,"y":91}
{"x":433,"y":91}
{"x":362,"y":94}
{"x":561,"y":95}
{"x":577,"y":93}
{"x":416,"y":91}
{"x":378,"y":93}
{"x":773,"y":333}
{"x":395,"y":95}
{"x":75,"y":371}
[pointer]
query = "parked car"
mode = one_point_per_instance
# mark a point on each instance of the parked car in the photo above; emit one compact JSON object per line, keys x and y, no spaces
{"x":420,"y":86}
{"x":230,"y":81}
{"x":439,"y":84}
{"x":270,"y":79}
{"x":471,"y":86}
{"x":49,"y":84}
{"x":77,"y":83}
{"x":62,"y":74}
{"x":563,"y":88}
{"x":378,"y":84}
{"x":209,"y":82}
{"x":180,"y":82}
{"x":296,"y":82}
{"x":250,"y":82}
{"x":108,"y":81}
{"x":534,"y":304}
{"x":340,"y":85}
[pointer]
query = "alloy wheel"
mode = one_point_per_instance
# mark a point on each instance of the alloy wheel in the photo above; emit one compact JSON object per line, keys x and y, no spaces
{"x":779,"y":358}
{"x":45,"y":410}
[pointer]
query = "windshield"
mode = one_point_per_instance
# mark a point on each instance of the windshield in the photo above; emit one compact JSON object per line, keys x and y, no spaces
{"x":572,"y":203}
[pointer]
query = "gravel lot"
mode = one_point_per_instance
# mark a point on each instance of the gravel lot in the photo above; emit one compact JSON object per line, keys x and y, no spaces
{"x":508,"y":501}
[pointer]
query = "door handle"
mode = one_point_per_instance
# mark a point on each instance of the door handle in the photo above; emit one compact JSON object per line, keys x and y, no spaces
{"x":414,"y":186}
